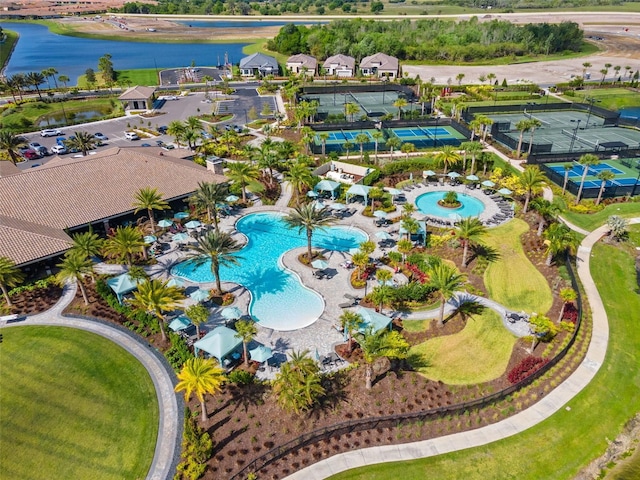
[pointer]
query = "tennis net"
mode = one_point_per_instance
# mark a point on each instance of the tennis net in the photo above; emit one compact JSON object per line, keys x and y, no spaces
{"x":572,"y":134}
{"x":543,"y":122}
{"x":426,"y":132}
{"x":358,"y":103}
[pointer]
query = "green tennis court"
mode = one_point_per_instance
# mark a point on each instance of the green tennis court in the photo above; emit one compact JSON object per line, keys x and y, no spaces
{"x":370,"y":104}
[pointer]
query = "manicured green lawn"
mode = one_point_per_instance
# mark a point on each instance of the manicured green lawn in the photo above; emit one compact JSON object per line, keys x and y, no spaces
{"x":609,"y":98}
{"x":592,"y":221}
{"x":479,"y":353}
{"x":7,"y":46}
{"x":73,"y":405}
{"x":561,"y":445}
{"x":143,"y":76}
{"x":513,"y":280}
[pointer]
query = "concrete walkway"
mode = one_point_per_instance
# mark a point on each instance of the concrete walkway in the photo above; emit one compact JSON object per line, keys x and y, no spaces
{"x":518,"y":423}
{"x":167,"y":449}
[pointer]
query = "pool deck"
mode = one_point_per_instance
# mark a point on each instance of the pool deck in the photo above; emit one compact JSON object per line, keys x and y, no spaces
{"x":323,"y":334}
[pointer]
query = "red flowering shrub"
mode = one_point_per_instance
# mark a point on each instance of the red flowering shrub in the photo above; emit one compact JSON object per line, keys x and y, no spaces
{"x":570,"y":313}
{"x":416,"y":273}
{"x":526,"y":367}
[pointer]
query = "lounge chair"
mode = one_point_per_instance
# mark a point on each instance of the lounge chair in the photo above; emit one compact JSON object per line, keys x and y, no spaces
{"x":352,"y":297}
{"x":347,"y":304}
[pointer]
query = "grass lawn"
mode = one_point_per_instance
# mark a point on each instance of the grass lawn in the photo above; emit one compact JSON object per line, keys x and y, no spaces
{"x":143,"y":76}
{"x":558,"y":447}
{"x":260,"y":45}
{"x":513,"y":280}
{"x":609,"y":98}
{"x":591,"y":221}
{"x":11,"y":38}
{"x":455,"y":359}
{"x":73,"y":405}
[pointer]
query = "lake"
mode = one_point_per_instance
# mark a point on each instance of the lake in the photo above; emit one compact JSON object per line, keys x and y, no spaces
{"x":39,"y":49}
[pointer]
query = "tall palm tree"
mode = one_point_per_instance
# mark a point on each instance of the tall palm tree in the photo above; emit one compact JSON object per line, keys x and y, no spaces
{"x":309,"y":219}
{"x":448,"y":157}
{"x":177,"y":130}
{"x":150,"y":199}
{"x":558,"y":238}
{"x":35,"y":79}
{"x":446,"y":280}
{"x":350,"y":110}
{"x":299,"y":176}
{"x":10,"y":276}
{"x":533,"y":124}
{"x":347,"y":146}
{"x":408,"y":148}
{"x":200,"y":376}
{"x":266,"y":158}
{"x":208,"y":196}
{"x":156,"y":297}
{"x":298,"y":384}
{"x":75,"y":266}
{"x":64,"y":79}
{"x":350,"y":321}
{"x":375,"y":345}
{"x":377,"y":136}
{"x":126,"y":242}
{"x":245,"y":174}
{"x":83,"y":141}
{"x":9,"y":142}
{"x":400,"y":103}
{"x":404,"y":247}
{"x":198,"y":314}
{"x":531,"y":180}
{"x":547,"y":211}
{"x":246,"y":331}
{"x":567,"y":168}
{"x":361,"y":139}
{"x":88,"y":243}
{"x":382,"y":294}
{"x":475,"y":125}
{"x":586,"y":160}
{"x":217,"y":247}
{"x":522,"y":126}
{"x":50,"y":73}
{"x":323,"y":136}
{"x":474,"y":148}
{"x":604,"y":176}
{"x":393,"y":143}
{"x":410,"y":226}
{"x":470,"y":230}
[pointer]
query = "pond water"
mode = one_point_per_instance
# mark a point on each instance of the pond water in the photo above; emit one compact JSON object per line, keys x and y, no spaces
{"x":58,"y":119}
{"x":38,"y":49}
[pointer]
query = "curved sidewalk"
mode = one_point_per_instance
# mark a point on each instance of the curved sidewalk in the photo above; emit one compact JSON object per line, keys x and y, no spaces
{"x":533,"y":415}
{"x":169,"y":427}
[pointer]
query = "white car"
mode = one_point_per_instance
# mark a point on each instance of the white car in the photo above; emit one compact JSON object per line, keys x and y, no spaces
{"x":131,"y":136}
{"x":59,"y":149}
{"x":50,"y":133}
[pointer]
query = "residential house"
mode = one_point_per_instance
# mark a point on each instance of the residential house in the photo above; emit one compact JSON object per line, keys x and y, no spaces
{"x":380,"y":65}
{"x":258,"y":64}
{"x":340,"y":66}
{"x":302,"y":64}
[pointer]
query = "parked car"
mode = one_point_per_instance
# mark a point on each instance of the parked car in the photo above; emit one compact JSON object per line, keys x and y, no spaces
{"x":50,"y":132}
{"x":59,"y":149}
{"x":30,"y":154}
{"x":131,"y":136}
{"x":168,"y":146}
{"x":40,"y":149}
{"x":101,"y":137}
{"x":163,"y":129}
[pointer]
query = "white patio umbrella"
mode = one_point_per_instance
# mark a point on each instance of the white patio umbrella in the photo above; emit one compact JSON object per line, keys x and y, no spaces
{"x":473,"y":178}
{"x":231,"y":313}
{"x":181,"y":215}
{"x":319,"y":264}
{"x":380,"y":214}
{"x":453,"y":175}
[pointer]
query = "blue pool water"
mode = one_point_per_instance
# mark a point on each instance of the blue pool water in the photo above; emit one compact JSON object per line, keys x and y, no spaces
{"x":278,"y":298}
{"x":427,"y":203}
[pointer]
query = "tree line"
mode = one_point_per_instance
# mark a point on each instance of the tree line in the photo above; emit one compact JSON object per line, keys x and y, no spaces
{"x":431,"y":39}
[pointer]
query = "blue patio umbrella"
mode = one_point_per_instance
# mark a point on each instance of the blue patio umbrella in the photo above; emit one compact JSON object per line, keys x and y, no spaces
{"x":231,"y":313}
{"x":318,"y":205}
{"x":473,"y":178}
{"x":200,"y":295}
{"x":181,"y":237}
{"x":179,"y":323}
{"x":453,"y":175}
{"x":175,"y":282}
{"x":311,"y":194}
{"x":165,"y":223}
{"x":261,"y":354}
{"x":505,"y":191}
{"x":428,"y":173}
{"x":321,"y":264}
{"x":380,"y":214}
{"x":192,"y":224}
{"x":150,"y":238}
{"x":232,"y":198}
{"x":181,"y":215}
{"x":382,"y":235}
{"x":488,"y":184}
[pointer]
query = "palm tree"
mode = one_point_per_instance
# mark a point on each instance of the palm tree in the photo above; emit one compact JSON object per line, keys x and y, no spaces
{"x":156,"y":297}
{"x":382,"y":294}
{"x":448,"y":157}
{"x":586,"y":160}
{"x":446,"y":280}
{"x":64,"y":79}
{"x":198,"y":314}
{"x":124,"y":244}
{"x":350,"y":321}
{"x":470,"y":230}
{"x":82,"y":141}
{"x":323,"y":136}
{"x":350,"y":110}
{"x":50,"y":73}
{"x":299,"y":176}
{"x":567,"y":168}
{"x":75,"y":266}
{"x":375,"y":345}
{"x":585,"y":67}
{"x":404,"y":247}
{"x":531,"y":180}
{"x":9,"y":142}
{"x":347,"y":146}
{"x":309,"y":219}
{"x":217,"y":247}
{"x":522,"y":126}
{"x":558,"y":238}
{"x":410,"y":226}
{"x":567,"y":295}
{"x":35,"y":79}
{"x":298,"y":384}
{"x":177,"y":130}
{"x":10,"y":276}
{"x":245,"y":174}
{"x":400,"y":103}
{"x":474,"y":148}
{"x":208,"y":196}
{"x":408,"y":148}
{"x":377,"y":136}
{"x":246,"y":331}
{"x":604,"y":176}
{"x":475,"y":126}
{"x":88,"y":244}
{"x":361,"y":139}
{"x":393,"y":143}
{"x":534,"y":123}
{"x":200,"y":376}
{"x":546,"y":210}
{"x":150,"y":199}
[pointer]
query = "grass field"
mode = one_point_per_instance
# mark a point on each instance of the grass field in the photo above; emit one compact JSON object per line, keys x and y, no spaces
{"x":7,"y":47}
{"x":591,"y":221}
{"x":479,"y":353}
{"x":73,"y":405}
{"x":558,"y":447}
{"x":609,"y":98}
{"x":146,"y":76}
{"x":512,"y":280}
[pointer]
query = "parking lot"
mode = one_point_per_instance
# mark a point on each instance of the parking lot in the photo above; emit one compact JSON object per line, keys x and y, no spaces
{"x":180,"y":109}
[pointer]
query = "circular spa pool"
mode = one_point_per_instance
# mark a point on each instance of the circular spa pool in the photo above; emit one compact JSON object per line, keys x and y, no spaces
{"x":427,"y":203}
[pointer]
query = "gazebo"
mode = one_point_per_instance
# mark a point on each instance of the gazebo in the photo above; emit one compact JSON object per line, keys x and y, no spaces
{"x":122,"y":284}
{"x":372,"y":320}
{"x":361,"y":190}
{"x":219,"y":343}
{"x":327,"y":186}
{"x":422,"y":231}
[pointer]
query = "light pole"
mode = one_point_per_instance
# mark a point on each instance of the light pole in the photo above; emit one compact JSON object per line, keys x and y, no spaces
{"x":435,"y":134}
{"x":575,"y":133}
{"x":591,"y":101}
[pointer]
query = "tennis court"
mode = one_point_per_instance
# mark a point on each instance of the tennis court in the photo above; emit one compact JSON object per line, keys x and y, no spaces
{"x":372,"y":105}
{"x":425,"y":137}
{"x":338,"y":137}
{"x":625,"y":176}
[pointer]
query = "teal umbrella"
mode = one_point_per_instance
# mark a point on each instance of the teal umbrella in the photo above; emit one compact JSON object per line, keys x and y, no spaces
{"x":150,"y":239}
{"x":232,"y":198}
{"x":382,"y":235}
{"x":488,"y":184}
{"x":261,"y":354}
{"x":380,"y":214}
{"x":175,"y":282}
{"x":505,"y":191}
{"x":165,"y":223}
{"x":321,"y":264}
{"x":181,"y":215}
{"x":192,"y":224}
{"x":200,"y":295}
{"x":231,"y":313}
{"x":428,"y":173}
{"x":311,"y":194}
{"x":180,"y":237}
{"x":453,"y":175}
{"x":473,"y":178}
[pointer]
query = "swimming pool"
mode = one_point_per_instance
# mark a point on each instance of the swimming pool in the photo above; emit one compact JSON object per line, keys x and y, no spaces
{"x":427,"y":203}
{"x":278,"y":298}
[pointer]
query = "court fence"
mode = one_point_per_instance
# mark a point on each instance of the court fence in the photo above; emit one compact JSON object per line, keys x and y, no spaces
{"x":610,"y":118}
{"x":589,"y":191}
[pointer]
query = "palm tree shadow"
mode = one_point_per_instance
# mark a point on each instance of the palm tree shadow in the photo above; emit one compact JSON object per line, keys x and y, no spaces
{"x":490,"y":254}
{"x":416,"y":361}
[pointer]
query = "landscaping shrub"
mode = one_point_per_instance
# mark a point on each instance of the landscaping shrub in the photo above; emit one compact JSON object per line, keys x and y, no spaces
{"x":179,"y":351}
{"x":570,"y":313}
{"x":196,"y":450}
{"x":526,"y":367}
{"x":241,"y":377}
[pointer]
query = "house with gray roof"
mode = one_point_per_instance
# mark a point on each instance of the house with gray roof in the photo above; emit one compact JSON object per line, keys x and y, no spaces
{"x":302,"y":64}
{"x":258,"y":64}
{"x":380,"y":65}
{"x":42,"y":206}
{"x":340,"y":65}
{"x":138,"y":98}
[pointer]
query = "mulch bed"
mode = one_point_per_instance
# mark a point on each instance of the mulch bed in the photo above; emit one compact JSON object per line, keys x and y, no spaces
{"x":34,"y":301}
